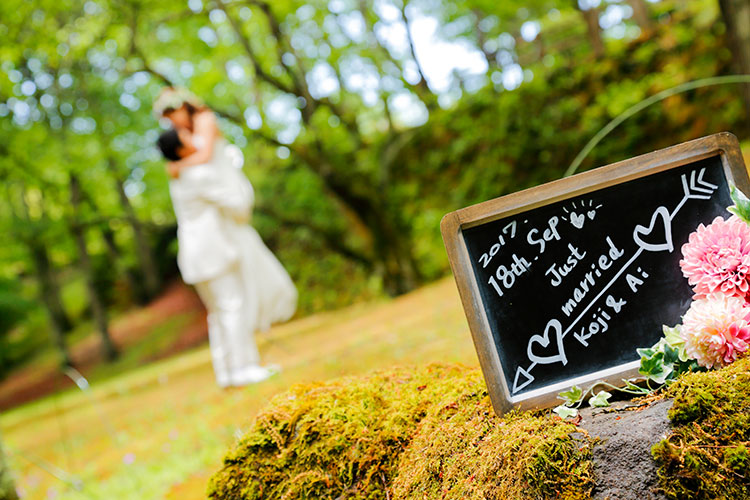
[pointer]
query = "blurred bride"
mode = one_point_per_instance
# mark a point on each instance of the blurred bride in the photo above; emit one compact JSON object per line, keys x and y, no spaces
{"x":241,"y":283}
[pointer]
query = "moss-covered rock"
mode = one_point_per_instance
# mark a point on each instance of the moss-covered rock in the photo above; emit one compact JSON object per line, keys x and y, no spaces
{"x":464,"y":451}
{"x":405,"y":433}
{"x":706,"y":456}
{"x":341,"y":438}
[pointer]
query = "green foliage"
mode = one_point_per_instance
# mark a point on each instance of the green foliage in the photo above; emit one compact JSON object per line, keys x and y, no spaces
{"x":661,"y":364}
{"x":494,"y":143}
{"x":13,"y":310}
{"x":600,"y":399}
{"x":13,"y":307}
{"x":673,"y":339}
{"x":564,"y":411}
{"x":741,"y":207}
{"x":705,"y":456}
{"x":404,"y":434}
{"x":667,"y":360}
{"x":104,"y":279}
{"x":571,"y":396}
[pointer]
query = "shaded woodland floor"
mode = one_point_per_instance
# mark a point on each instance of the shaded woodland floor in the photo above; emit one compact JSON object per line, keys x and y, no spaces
{"x":172,"y":323}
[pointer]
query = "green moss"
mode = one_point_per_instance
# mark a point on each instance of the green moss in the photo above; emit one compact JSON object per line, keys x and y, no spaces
{"x":464,"y":451}
{"x":737,"y":459}
{"x":706,"y":456}
{"x":402,"y":434}
{"x":339,"y":438}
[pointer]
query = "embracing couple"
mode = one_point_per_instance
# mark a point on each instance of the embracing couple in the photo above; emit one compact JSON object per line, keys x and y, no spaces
{"x":241,"y":283}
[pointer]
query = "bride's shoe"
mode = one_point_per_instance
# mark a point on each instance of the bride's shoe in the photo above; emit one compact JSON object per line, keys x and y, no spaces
{"x":254,"y":374}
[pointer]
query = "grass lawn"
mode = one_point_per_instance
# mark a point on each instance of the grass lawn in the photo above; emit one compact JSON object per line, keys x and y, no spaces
{"x":160,"y":431}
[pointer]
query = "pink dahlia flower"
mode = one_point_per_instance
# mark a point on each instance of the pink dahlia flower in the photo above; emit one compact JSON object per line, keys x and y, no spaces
{"x":716,"y":329}
{"x":717,"y":258}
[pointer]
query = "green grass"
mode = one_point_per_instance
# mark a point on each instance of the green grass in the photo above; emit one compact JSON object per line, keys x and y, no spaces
{"x":161,"y":431}
{"x":158,"y":340}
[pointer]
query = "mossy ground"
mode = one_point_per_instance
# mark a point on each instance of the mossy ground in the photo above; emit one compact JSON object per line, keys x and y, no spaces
{"x":706,"y":456}
{"x":427,"y":433}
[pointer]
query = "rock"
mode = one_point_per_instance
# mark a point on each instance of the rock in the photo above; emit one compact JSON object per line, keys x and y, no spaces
{"x":622,"y":460}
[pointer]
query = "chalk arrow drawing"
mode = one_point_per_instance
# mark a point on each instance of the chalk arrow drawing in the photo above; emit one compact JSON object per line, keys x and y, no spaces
{"x":525,"y":379}
{"x":544,"y":340}
{"x":694,"y":189}
{"x":663,"y":240}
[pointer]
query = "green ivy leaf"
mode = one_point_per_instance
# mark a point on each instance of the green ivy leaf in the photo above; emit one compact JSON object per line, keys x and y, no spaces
{"x":653,"y":367}
{"x":563,"y":412}
{"x":671,"y":355}
{"x":673,"y":338}
{"x":572,"y":396}
{"x":652,"y":362}
{"x":741,"y":207}
{"x":644,"y":352}
{"x":600,"y":399}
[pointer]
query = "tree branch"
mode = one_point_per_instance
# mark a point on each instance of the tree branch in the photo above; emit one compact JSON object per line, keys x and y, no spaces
{"x":300,"y":83}
{"x":421,"y":90}
{"x":422,"y":79}
{"x":259,"y":71}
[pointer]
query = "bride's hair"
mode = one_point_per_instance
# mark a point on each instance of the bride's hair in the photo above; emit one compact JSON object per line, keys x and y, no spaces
{"x":173,"y":98}
{"x":190,"y":108}
{"x":169,"y":142}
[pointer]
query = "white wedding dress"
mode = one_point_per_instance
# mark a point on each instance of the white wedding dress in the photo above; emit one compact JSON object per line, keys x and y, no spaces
{"x":244,"y":287}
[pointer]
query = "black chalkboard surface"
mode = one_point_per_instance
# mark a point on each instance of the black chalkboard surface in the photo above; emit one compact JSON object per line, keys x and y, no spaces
{"x":571,"y":280}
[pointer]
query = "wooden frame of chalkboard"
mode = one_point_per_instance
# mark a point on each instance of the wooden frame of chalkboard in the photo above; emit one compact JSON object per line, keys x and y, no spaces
{"x":665,"y":166}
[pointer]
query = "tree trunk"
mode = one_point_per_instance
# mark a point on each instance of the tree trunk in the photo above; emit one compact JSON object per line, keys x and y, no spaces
{"x":641,"y":15}
{"x":98,"y":308}
{"x":151,"y":279}
{"x":114,"y":254}
{"x":49,"y":290}
{"x":593,"y":30}
{"x":49,"y":287}
{"x":50,"y":294}
{"x":736,"y":14}
{"x":392,"y":253}
{"x":7,"y":486}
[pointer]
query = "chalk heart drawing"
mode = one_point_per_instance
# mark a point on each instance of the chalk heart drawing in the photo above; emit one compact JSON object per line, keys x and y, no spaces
{"x":544,"y":341}
{"x":591,"y":214}
{"x":577,"y":220}
{"x":657,"y":237}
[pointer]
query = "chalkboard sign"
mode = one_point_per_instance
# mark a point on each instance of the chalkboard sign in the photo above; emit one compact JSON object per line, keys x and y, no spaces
{"x":562,"y":282}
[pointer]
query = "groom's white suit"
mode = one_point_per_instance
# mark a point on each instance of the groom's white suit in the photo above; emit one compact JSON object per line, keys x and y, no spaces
{"x":242,"y":284}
